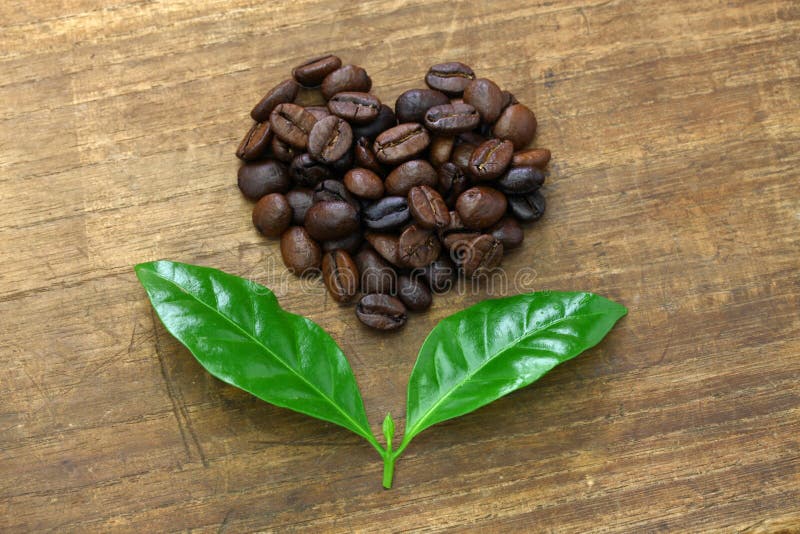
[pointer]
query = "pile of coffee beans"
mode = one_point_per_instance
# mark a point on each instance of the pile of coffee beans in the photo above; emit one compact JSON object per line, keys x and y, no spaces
{"x":391,"y":204}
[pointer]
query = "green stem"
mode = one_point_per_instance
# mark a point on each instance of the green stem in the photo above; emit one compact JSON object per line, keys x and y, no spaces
{"x":388,"y":469}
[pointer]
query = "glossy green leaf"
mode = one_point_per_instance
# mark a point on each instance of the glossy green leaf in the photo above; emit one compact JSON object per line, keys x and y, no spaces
{"x":497,"y":346}
{"x":238,"y":332}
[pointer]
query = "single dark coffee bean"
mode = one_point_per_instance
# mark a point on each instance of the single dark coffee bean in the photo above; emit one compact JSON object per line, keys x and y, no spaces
{"x":535,"y":157}
{"x":330,"y":139}
{"x":517,"y":123}
{"x":383,"y":122}
{"x":527,"y":208}
{"x":272,"y":215}
{"x":334,"y":191}
{"x":381,"y":312}
{"x":292,"y":124}
{"x":365,"y":157}
{"x":427,"y":207}
{"x":283,"y":151}
{"x":521,"y":180}
{"x":255,"y":142}
{"x":418,"y":247}
{"x":409,"y":174}
{"x":377,"y":276}
{"x":386,"y":245}
{"x":331,"y":220}
{"x":452,"y":182}
{"x":449,"y":78}
{"x":346,"y":78}
{"x":412,"y":105}
{"x":440,"y":275}
{"x":300,"y":199}
{"x":509,"y":232}
{"x":301,"y":254}
{"x":311,"y":73}
{"x":485,"y":97}
{"x":490,"y":159}
{"x":308,"y":172}
{"x":262,"y":178}
{"x":364,"y":183}
{"x":401,"y":143}
{"x":340,"y":274}
{"x":283,"y":93}
{"x":462,"y":154}
{"x":440,"y":150}
{"x":483,"y":254}
{"x":413,"y":292}
{"x":480,"y":207}
{"x":350,"y":244}
{"x":319,"y":112}
{"x":358,"y":108}
{"x":451,"y":118}
{"x":387,"y":213}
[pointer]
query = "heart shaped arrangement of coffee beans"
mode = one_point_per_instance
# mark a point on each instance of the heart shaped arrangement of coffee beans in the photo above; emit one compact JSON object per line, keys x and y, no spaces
{"x":390,"y":204}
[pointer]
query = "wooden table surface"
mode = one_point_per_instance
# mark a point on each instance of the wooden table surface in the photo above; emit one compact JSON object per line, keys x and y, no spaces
{"x":675,"y":128}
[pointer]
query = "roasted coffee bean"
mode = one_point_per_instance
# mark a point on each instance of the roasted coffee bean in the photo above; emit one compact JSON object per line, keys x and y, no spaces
{"x":485,"y":97}
{"x":440,"y":275}
{"x":376,"y":275}
{"x":483,"y":254}
{"x":387,"y":213}
{"x":471,"y":138}
{"x":272,"y":215}
{"x":535,"y":157}
{"x":383,"y":122}
{"x":412,"y":105}
{"x":340,"y":274}
{"x":385,"y":245}
{"x":409,"y":174}
{"x":350,"y":244}
{"x":364,"y":183}
{"x":490,"y":159}
{"x":301,"y":254}
{"x":358,"y":108}
{"x":509,"y":99}
{"x":308,"y":172}
{"x":451,"y":118}
{"x":330,"y":139}
{"x":255,"y":142}
{"x":292,"y":124}
{"x":381,"y":312}
{"x":527,"y":208}
{"x":461,"y":156}
{"x":521,"y":180}
{"x":283,"y":151}
{"x":480,"y":207}
{"x":346,"y":78}
{"x":319,"y":112}
{"x":413,"y":292}
{"x":334,"y":191}
{"x":311,"y":73}
{"x":401,"y":143}
{"x":517,"y":123}
{"x":262,"y":178}
{"x":449,"y":78}
{"x":509,"y":232}
{"x":441,"y":148}
{"x":452,"y":182}
{"x":365,"y":157}
{"x":427,"y":207}
{"x":418,"y":246}
{"x":300,"y":199}
{"x":283,"y":93}
{"x":328,"y":220}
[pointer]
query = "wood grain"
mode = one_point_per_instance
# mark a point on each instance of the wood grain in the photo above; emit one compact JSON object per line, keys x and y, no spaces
{"x":674,"y":189}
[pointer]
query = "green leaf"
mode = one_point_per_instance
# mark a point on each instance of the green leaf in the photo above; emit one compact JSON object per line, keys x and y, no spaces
{"x":238,"y":332}
{"x":497,"y":346}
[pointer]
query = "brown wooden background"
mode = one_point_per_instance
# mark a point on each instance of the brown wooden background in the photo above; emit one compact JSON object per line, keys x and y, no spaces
{"x":675,"y":128}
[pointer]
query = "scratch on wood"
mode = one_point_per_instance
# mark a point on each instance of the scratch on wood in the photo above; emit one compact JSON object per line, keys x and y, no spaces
{"x":224,"y":525}
{"x":178,"y":406}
